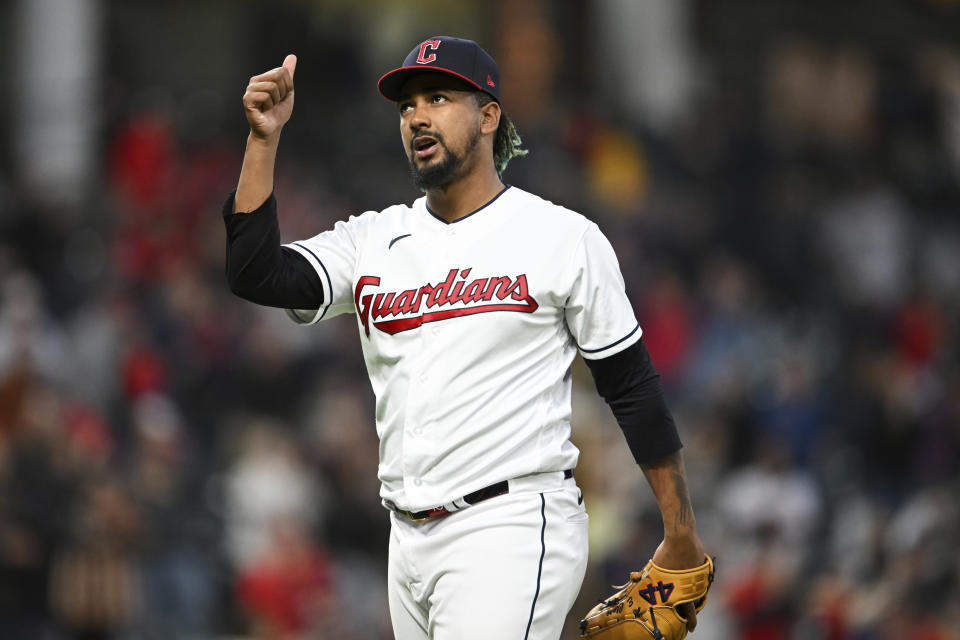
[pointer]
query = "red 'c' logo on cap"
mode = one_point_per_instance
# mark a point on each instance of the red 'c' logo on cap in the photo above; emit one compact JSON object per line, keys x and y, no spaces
{"x":423,"y":58}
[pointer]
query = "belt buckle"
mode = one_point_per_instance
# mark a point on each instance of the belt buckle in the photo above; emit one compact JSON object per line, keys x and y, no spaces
{"x":393,"y":507}
{"x":421,"y":519}
{"x":429,"y":513}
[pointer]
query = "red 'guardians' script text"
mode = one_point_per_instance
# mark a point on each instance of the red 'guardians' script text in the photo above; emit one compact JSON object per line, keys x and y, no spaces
{"x":481,"y":295}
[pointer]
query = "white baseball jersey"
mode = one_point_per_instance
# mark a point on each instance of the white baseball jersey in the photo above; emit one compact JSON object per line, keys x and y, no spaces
{"x":469,"y":330}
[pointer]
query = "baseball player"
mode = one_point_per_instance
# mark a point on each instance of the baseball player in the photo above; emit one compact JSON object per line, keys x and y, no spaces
{"x":471,"y":304}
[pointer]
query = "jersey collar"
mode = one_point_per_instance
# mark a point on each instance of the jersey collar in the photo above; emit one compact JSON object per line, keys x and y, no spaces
{"x":477,"y":210}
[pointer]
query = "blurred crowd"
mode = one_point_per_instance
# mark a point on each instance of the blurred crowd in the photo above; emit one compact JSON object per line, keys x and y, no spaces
{"x":178,"y":463}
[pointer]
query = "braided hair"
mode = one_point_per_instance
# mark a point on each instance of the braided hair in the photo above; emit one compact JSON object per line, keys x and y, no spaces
{"x":506,"y":143}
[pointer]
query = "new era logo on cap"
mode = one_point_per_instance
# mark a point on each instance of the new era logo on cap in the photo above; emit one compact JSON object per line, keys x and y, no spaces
{"x":455,"y":56}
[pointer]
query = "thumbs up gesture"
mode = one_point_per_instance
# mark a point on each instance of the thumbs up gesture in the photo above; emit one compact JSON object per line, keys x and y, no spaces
{"x":268,"y":101}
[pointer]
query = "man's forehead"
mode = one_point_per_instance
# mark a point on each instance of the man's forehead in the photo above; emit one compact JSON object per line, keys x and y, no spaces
{"x":431,"y":81}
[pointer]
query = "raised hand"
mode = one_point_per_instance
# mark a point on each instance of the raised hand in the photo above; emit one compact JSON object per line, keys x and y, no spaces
{"x":268,"y":101}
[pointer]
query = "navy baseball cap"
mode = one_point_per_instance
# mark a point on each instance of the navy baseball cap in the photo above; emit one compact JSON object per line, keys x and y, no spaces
{"x":455,"y":56}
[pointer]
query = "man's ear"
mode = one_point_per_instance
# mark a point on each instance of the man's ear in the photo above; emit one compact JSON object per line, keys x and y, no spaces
{"x":489,"y":117}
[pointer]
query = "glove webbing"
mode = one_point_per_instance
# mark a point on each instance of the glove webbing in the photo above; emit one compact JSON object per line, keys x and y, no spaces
{"x":657,"y":635}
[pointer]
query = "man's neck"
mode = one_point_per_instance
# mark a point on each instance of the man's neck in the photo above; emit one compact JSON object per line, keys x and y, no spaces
{"x":464,"y":196}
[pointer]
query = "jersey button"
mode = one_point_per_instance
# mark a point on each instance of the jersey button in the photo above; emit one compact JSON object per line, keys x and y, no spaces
{"x":417,"y":481}
{"x":436,"y":331}
{"x":418,"y":431}
{"x":423,"y":377}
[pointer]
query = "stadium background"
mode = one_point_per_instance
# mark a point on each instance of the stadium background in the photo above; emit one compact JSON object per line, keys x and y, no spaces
{"x":779,"y":180}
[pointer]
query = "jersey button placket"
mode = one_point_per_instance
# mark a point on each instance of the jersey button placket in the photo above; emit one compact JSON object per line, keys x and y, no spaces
{"x":448,"y":236}
{"x":417,"y":410}
{"x":419,"y":396}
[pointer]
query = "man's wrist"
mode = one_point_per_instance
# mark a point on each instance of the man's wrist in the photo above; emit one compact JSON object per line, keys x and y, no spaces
{"x":269,"y":142}
{"x":680,"y":552}
{"x":687,"y":537}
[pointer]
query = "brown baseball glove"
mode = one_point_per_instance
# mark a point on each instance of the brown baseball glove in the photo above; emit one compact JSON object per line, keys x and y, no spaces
{"x":646,"y":607}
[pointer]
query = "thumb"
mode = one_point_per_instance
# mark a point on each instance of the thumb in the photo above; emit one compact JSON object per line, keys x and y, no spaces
{"x":290,"y":63}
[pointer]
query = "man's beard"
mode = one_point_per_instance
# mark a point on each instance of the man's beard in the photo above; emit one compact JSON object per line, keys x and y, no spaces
{"x":447,"y":170}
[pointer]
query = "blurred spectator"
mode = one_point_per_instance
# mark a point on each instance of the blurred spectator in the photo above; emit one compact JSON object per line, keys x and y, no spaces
{"x":177,"y":566}
{"x":287,"y":589}
{"x":95,"y":578}
{"x":770,"y":502}
{"x":267,"y":483}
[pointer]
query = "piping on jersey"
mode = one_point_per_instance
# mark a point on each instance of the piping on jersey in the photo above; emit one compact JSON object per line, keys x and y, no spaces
{"x":481,"y":295}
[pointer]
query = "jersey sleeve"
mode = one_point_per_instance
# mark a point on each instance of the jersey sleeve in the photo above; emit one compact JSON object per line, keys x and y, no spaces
{"x":333,"y":254}
{"x":598,"y":314}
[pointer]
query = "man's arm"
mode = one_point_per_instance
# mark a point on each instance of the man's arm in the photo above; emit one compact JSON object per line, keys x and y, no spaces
{"x":631,"y":386}
{"x":268,"y":105}
{"x":681,"y":547}
{"x":258,"y":268}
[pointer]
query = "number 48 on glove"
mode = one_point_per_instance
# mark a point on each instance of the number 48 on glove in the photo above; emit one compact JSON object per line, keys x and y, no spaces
{"x":646,"y":607}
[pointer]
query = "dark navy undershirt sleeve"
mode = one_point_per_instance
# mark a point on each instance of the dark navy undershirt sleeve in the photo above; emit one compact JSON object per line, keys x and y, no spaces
{"x":631,"y":386}
{"x":259,"y":269}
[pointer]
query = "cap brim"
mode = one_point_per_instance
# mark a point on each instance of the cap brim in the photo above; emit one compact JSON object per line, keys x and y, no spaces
{"x":392,"y":81}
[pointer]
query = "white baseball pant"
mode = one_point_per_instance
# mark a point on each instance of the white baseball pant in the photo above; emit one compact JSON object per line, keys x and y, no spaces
{"x":507,"y":568}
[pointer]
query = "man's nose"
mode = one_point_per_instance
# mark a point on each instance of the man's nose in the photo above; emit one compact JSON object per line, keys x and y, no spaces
{"x":420,"y":119}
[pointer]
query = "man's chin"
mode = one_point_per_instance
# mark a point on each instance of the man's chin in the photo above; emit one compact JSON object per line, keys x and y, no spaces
{"x":432,"y":173}
{"x":425,"y":163}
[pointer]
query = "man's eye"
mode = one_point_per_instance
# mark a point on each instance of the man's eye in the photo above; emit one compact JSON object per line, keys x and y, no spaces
{"x":405,"y":107}
{"x":439,"y":98}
